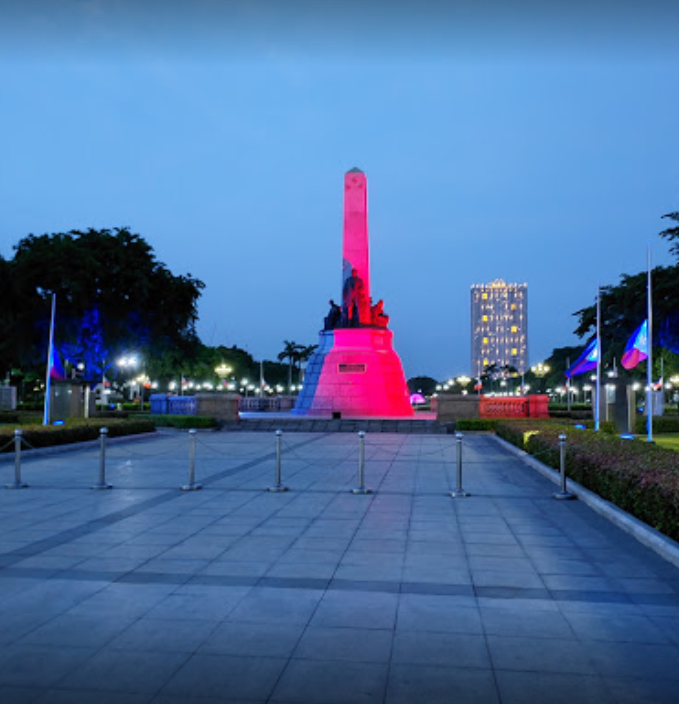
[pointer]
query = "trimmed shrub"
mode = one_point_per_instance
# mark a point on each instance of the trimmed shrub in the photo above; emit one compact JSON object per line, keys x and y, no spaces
{"x":661,"y":424}
{"x":640,"y":478}
{"x":75,"y":430}
{"x":188,"y":422}
{"x":472,"y":424}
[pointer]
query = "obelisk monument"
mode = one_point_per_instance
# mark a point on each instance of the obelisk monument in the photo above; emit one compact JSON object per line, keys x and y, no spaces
{"x":355,"y":371}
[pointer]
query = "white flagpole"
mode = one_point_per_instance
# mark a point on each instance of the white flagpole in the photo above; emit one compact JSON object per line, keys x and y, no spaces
{"x":649,"y":361}
{"x":50,"y":357}
{"x":597,"y":388}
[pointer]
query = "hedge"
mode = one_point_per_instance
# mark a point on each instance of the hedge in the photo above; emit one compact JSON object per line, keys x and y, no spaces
{"x":661,"y":424}
{"x":172,"y":421}
{"x":640,"y":478}
{"x":471,"y":424}
{"x":75,"y":431}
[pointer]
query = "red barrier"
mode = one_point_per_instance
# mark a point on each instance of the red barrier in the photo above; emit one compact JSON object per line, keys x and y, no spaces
{"x":534,"y":406}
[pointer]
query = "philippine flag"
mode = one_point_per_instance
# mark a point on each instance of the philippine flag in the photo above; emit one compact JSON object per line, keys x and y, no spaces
{"x":586,"y":361}
{"x":637,"y":347}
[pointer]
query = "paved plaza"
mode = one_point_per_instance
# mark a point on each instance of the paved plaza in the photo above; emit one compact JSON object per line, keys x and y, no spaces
{"x":146,"y":594}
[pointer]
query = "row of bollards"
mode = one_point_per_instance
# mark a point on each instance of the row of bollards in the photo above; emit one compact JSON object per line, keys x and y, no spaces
{"x":278,"y":485}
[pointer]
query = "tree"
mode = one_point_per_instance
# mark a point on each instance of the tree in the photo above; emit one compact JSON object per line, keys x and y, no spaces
{"x":113,"y":296}
{"x":425,"y":385}
{"x":624,"y":306}
{"x":303,"y":356}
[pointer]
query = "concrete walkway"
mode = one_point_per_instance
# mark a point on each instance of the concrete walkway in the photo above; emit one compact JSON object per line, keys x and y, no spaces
{"x":231,"y":594}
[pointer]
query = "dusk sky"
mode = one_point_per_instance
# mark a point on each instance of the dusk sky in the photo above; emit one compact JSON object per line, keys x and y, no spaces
{"x":533,"y":145}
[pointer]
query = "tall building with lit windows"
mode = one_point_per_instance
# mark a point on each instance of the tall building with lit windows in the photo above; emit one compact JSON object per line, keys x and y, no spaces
{"x":499,"y":326}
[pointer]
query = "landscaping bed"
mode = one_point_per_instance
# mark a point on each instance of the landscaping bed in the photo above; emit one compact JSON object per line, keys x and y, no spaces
{"x":640,"y":478}
{"x":75,"y":430}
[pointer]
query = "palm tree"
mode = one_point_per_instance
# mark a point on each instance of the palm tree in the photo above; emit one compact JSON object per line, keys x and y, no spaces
{"x":290,"y":352}
{"x":303,"y":355}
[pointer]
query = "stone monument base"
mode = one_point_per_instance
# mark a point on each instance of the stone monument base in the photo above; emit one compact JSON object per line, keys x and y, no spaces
{"x":355,"y":373}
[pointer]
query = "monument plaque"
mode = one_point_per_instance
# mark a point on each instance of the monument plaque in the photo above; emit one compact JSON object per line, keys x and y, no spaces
{"x":355,"y":371}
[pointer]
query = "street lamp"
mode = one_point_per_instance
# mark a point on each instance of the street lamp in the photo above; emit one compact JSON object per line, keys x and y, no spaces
{"x":463,"y":381}
{"x":540,"y":370}
{"x":223,"y":371}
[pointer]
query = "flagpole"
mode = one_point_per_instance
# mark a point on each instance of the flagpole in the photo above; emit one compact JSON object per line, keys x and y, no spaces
{"x":568,"y":385}
{"x":649,"y":361}
{"x":50,"y":357}
{"x":597,"y":388}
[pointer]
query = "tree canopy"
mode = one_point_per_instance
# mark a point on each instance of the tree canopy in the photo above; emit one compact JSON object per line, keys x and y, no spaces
{"x":113,"y":296}
{"x":624,"y":306}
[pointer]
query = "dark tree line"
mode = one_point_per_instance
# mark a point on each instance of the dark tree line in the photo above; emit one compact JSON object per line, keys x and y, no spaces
{"x":113,"y":295}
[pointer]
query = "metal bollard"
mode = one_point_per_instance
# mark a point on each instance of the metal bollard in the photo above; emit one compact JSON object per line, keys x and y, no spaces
{"x":563,"y":495}
{"x":361,"y":488}
{"x":17,"y":484}
{"x":101,"y":484}
{"x":192,"y":486}
{"x":459,"y":491}
{"x":278,"y":487}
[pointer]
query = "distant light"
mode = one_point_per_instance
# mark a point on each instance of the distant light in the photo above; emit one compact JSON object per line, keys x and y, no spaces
{"x":58,"y":422}
{"x":580,"y":426}
{"x":627,"y":436}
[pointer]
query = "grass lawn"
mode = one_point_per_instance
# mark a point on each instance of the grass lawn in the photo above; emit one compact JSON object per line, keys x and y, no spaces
{"x":669,"y":441}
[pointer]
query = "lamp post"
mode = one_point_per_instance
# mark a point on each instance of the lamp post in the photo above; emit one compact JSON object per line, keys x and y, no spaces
{"x":223,"y":371}
{"x":540,"y":370}
{"x":125,"y":362}
{"x":463,"y":381}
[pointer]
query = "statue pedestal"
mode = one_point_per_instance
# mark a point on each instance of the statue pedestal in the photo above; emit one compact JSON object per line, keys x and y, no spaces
{"x":356,"y":373}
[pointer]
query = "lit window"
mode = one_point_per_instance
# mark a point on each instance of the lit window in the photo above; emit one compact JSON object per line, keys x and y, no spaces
{"x":514,"y":328}
{"x":484,"y":296}
{"x":485,"y":340}
{"x":485,"y":362}
{"x":485,"y":318}
{"x":514,"y":352}
{"x":513,"y":306}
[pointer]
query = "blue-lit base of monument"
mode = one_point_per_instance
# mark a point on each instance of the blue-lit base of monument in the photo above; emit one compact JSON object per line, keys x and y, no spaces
{"x":355,"y":373}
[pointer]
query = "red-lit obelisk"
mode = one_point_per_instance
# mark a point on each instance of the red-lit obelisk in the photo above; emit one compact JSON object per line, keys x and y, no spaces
{"x":355,"y":372}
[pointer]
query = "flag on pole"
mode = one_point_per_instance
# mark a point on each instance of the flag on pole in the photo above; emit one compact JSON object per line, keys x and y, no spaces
{"x":637,"y":347}
{"x":57,"y":370}
{"x":586,"y":361}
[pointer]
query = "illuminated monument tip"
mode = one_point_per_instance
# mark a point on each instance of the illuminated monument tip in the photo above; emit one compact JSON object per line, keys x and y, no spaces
{"x":355,"y":371}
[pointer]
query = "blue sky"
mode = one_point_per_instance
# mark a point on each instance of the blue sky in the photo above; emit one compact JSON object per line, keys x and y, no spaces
{"x":535,"y":145}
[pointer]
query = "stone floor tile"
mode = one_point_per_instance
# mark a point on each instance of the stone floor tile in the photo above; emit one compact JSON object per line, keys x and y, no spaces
{"x":37,"y":665}
{"x":272,"y":605}
{"x":331,"y":682}
{"x":629,"y":690}
{"x":444,"y":649}
{"x":225,"y":677}
{"x":617,"y":628}
{"x":209,"y":604}
{"x":552,"y":688}
{"x":354,"y":609}
{"x":351,"y":644}
{"x":537,"y":655}
{"x":253,"y":639}
{"x":638,"y":660}
{"x":526,"y":622}
{"x":420,"y":612}
{"x":164,"y":635}
{"x":75,"y":696}
{"x":125,"y":671}
{"x":420,"y":684}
